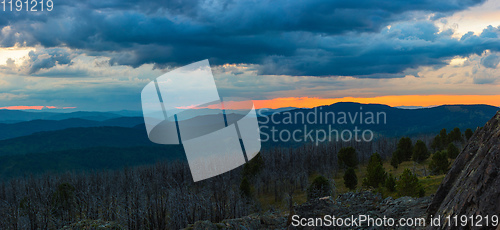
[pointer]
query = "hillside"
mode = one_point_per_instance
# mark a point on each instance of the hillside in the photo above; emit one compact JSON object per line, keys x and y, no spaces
{"x":75,"y":138}
{"x":42,"y":136}
{"x":393,"y":122}
{"x":86,"y":159}
{"x":11,"y":116}
{"x":398,"y":122}
{"x":24,"y":128}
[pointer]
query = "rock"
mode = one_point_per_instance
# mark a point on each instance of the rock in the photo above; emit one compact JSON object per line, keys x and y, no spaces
{"x":204,"y":224}
{"x":93,"y":224}
{"x":472,"y":186}
{"x":351,"y":203}
{"x":266,"y":220}
{"x":363,"y":203}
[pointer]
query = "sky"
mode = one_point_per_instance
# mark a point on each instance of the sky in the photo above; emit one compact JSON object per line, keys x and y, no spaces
{"x":98,"y":55}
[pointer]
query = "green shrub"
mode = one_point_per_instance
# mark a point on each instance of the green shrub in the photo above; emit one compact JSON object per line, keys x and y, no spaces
{"x":444,"y":136}
{"x":420,"y":152}
{"x":405,"y":149}
{"x":452,"y":151}
{"x":350,"y":179}
{"x":437,"y":144}
{"x":455,"y":135}
{"x":375,"y":173}
{"x":468,"y":133}
{"x":395,"y":160}
{"x":439,"y":163}
{"x":245,"y":188}
{"x":403,"y":152}
{"x":408,"y":185}
{"x":320,"y":187}
{"x":390,"y":183}
{"x":63,"y":200}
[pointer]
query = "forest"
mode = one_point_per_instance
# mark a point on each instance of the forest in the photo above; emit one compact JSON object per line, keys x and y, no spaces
{"x":163,"y":196}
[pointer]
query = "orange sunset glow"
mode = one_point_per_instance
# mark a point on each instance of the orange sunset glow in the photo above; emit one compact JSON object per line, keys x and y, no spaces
{"x":403,"y":100}
{"x":21,"y":107}
{"x":34,"y":107}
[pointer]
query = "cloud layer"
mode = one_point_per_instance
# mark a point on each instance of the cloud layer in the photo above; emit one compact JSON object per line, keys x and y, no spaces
{"x":99,"y":54}
{"x":314,"y":38}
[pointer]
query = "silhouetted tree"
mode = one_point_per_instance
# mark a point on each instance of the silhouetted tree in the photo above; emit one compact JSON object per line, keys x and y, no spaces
{"x":390,"y":183}
{"x":348,"y":157}
{"x":437,"y":143}
{"x":444,"y":137}
{"x":420,"y":152}
{"x":404,"y":149}
{"x":375,"y":173}
{"x":350,"y":179}
{"x":395,"y":159}
{"x":439,"y":163}
{"x":468,"y":133}
{"x":320,"y":187}
{"x":245,"y":188}
{"x":452,"y":151}
{"x":63,"y":201}
{"x":455,"y":135}
{"x":409,"y":185}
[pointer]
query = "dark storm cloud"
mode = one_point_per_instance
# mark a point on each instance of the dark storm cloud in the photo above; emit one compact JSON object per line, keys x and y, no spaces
{"x":404,"y":46}
{"x":47,"y":59}
{"x":319,"y":37}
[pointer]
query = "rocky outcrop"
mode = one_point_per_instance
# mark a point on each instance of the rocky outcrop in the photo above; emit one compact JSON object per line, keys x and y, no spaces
{"x":94,"y":225}
{"x":266,"y":220}
{"x":359,"y":203}
{"x":363,"y":203}
{"x":472,"y":186}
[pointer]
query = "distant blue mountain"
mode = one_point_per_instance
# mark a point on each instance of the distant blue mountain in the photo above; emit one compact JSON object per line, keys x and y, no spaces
{"x":82,"y":144}
{"x":11,"y":116}
{"x":29,"y":127}
{"x":266,"y":111}
{"x":130,"y":131}
{"x":75,"y":138}
{"x":397,"y":123}
{"x":94,"y":158}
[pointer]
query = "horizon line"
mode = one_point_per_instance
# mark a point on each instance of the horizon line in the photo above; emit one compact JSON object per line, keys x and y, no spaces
{"x":389,"y":100}
{"x":396,"y":101}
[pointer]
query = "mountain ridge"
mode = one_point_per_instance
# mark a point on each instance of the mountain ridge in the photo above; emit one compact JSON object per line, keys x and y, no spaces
{"x":12,"y":130}
{"x":75,"y":138}
{"x":397,"y":123}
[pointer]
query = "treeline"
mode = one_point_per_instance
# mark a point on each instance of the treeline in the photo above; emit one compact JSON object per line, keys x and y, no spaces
{"x":163,"y":196}
{"x":406,"y":184}
{"x":443,"y":147}
{"x":443,"y":139}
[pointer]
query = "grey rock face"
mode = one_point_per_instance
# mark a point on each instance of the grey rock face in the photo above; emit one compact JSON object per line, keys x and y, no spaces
{"x":472,"y":186}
